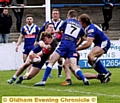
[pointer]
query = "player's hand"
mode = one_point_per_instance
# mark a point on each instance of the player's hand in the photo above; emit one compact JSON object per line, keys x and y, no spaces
{"x":22,"y":5}
{"x":31,"y":56}
{"x":111,"y":4}
{"x":48,"y":47}
{"x":16,"y":49}
{"x":58,"y":37}
{"x":6,"y":7}
{"x":36,"y":43}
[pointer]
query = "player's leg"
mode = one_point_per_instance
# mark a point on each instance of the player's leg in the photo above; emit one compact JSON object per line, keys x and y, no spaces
{"x":93,"y":59}
{"x":88,"y":75}
{"x":60,"y":65}
{"x":35,"y":67}
{"x":33,"y":72}
{"x":68,"y":76}
{"x":53,"y":58}
{"x":19,"y":71}
{"x":68,"y":80}
{"x":25,"y":57}
{"x":46,"y":63}
{"x":78,"y":72}
{"x":28,"y":69}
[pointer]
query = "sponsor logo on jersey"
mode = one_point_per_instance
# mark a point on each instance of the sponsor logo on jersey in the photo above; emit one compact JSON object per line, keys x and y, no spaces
{"x":75,"y":54}
{"x":30,"y":36}
{"x":90,"y":31}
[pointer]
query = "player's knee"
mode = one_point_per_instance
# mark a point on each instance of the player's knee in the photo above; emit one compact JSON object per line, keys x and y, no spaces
{"x":29,"y":76}
{"x":60,"y":61}
{"x":90,"y":58}
{"x":64,"y":66}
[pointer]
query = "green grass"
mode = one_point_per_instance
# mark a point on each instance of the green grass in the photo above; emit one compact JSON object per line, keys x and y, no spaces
{"x":106,"y":93}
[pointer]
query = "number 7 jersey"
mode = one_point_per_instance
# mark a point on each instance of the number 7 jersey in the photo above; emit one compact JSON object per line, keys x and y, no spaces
{"x":72,"y":29}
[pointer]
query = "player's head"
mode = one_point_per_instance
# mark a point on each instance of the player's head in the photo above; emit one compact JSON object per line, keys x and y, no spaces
{"x":84,"y":19}
{"x":72,"y":14}
{"x":5,"y":11}
{"x":46,"y":37}
{"x":55,"y":14}
{"x":29,"y":19}
{"x":50,"y":28}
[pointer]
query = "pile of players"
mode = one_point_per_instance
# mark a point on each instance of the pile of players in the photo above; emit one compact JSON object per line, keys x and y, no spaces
{"x":52,"y":44}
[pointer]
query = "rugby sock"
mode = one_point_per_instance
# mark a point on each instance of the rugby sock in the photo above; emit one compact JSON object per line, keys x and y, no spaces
{"x":14,"y":77}
{"x":21,"y":78}
{"x":80,"y":74}
{"x":96,"y":67}
{"x":59,"y":69}
{"x":46,"y":63}
{"x":100,"y":68}
{"x":47,"y":72}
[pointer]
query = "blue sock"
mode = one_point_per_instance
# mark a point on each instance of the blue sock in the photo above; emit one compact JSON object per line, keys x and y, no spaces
{"x":13,"y":78}
{"x":80,"y":74}
{"x":47,"y":72}
{"x":21,"y":77}
{"x":100,"y":68}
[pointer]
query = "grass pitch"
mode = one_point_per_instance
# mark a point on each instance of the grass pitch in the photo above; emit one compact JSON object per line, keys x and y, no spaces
{"x":106,"y":93}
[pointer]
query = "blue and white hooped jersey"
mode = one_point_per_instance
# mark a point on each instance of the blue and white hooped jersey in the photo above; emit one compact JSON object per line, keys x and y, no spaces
{"x":56,"y":24}
{"x":96,"y":32}
{"x":30,"y":33}
{"x":72,"y":28}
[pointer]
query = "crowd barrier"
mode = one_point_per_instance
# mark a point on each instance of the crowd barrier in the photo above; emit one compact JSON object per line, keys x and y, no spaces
{"x":72,"y":5}
{"x":10,"y":59}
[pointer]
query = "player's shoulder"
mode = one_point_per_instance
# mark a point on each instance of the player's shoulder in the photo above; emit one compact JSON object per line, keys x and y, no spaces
{"x":95,"y":27}
{"x":61,"y":20}
{"x":45,"y":23}
{"x":49,"y":21}
{"x":91,"y":26}
{"x":24,"y":27}
{"x":36,"y":26}
{"x":54,"y":42}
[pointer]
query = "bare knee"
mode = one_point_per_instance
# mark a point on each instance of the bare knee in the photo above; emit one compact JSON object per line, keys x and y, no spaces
{"x":28,"y":76}
{"x":91,"y":59}
{"x":60,"y":61}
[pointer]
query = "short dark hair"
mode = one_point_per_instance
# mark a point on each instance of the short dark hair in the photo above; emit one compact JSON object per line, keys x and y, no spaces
{"x":29,"y":15}
{"x":85,"y":19}
{"x":45,"y":34}
{"x":72,"y":13}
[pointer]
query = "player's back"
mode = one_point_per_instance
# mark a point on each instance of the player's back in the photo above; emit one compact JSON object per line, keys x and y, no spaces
{"x":72,"y":29}
{"x":97,"y":33}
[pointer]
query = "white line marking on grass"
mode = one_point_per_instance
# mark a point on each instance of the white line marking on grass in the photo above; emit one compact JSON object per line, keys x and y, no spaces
{"x":68,"y":90}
